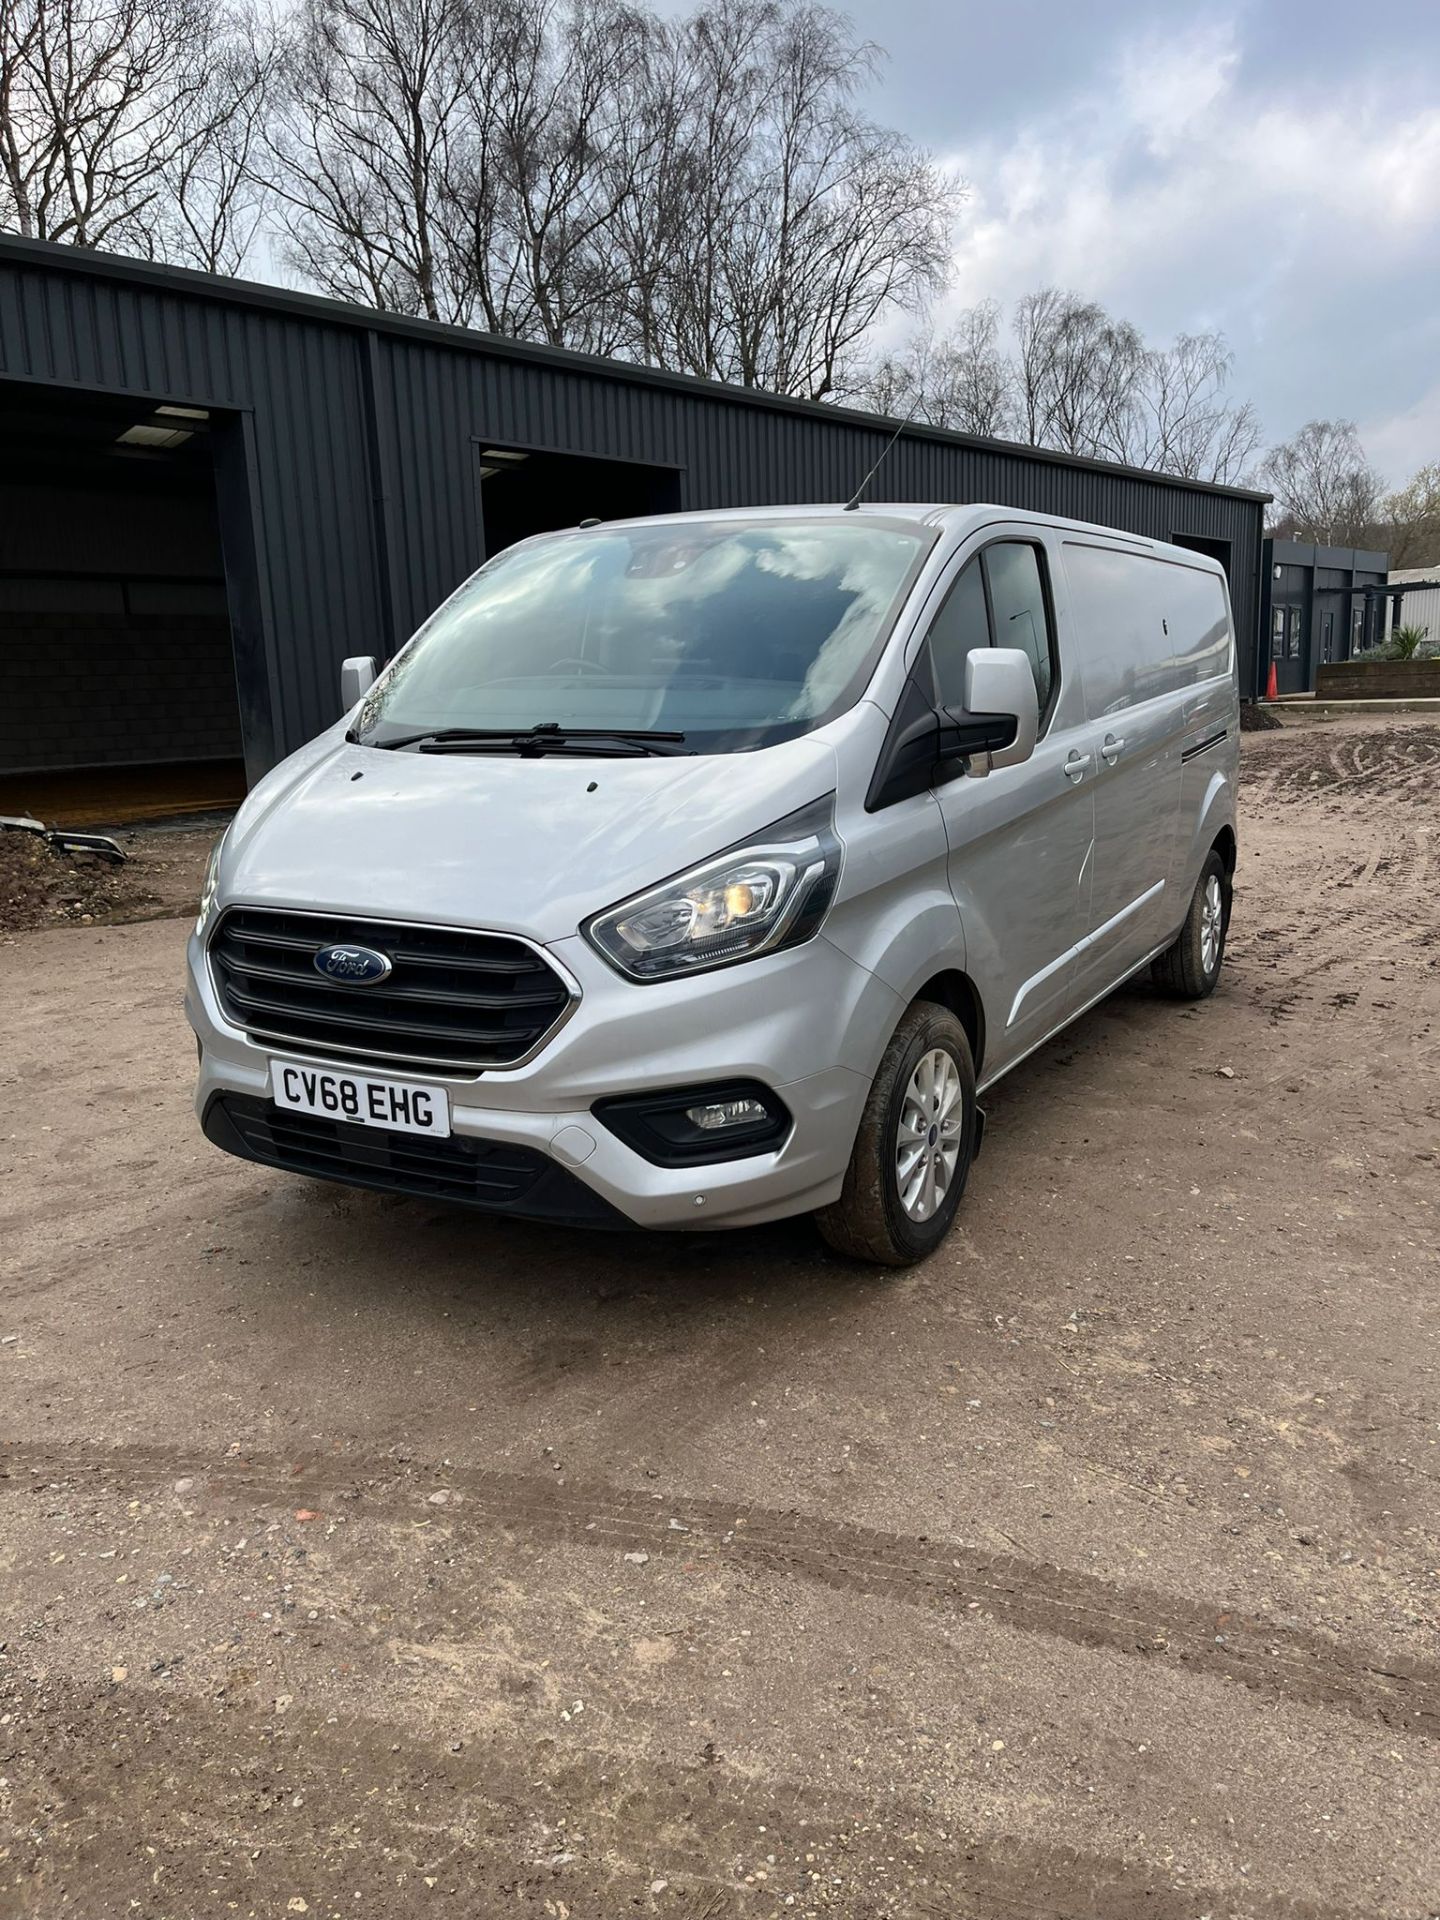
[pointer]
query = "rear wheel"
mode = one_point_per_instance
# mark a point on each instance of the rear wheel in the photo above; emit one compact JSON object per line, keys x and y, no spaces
{"x":912,"y":1153}
{"x":1190,"y":966}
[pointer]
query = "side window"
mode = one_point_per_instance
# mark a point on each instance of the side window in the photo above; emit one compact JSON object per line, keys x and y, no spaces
{"x":1017,"y":602}
{"x":958,"y":626}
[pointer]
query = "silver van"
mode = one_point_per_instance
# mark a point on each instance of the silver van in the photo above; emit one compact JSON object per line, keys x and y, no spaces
{"x":699,"y":871}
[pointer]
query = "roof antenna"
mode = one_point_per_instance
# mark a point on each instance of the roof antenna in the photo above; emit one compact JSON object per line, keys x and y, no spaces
{"x":853,"y":502}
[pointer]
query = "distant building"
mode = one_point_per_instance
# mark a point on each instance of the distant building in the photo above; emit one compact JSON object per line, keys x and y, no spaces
{"x":1417,"y":604}
{"x":1318,"y":605}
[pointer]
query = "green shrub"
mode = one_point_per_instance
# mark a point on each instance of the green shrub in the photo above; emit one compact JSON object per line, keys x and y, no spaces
{"x":1408,"y":640}
{"x":1405,"y":643}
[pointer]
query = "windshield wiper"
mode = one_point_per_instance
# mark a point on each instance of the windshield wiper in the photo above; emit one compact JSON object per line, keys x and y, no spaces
{"x":549,"y":737}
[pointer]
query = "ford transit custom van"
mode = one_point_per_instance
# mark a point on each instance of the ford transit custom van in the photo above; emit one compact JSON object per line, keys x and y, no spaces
{"x":698,"y":871}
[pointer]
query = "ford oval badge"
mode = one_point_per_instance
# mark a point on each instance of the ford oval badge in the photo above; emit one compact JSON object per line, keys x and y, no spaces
{"x":354,"y":966}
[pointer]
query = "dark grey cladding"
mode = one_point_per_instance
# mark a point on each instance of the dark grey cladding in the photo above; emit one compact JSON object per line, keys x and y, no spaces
{"x":347,"y":454}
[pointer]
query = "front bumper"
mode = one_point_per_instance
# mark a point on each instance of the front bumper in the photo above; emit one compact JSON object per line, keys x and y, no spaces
{"x":808,"y":1022}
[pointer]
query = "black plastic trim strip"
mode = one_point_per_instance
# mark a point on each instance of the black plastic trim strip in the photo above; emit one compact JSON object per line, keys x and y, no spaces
{"x":1204,"y":746}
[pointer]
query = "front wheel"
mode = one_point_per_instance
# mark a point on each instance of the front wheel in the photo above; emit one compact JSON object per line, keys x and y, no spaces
{"x":913,"y":1151}
{"x":1190,"y":965}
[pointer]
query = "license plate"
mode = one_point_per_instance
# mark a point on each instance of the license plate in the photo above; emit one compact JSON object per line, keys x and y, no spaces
{"x":398,"y":1106}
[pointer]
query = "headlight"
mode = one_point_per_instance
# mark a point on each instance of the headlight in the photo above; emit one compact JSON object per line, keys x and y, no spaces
{"x":207,"y":892}
{"x":767,"y":892}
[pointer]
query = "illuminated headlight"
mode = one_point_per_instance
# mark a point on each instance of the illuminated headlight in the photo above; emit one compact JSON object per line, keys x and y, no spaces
{"x":207,"y":892}
{"x":770,"y":891}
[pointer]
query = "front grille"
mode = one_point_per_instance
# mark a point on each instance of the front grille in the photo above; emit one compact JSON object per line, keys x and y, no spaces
{"x":498,"y":1176}
{"x":478,"y":1171}
{"x":456,"y":1001}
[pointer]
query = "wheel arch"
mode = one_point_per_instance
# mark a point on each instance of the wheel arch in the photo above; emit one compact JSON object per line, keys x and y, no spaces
{"x":955,"y":989}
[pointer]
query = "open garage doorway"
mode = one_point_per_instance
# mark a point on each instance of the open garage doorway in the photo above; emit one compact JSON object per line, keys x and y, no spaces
{"x":524,"y":492}
{"x":115,"y":643}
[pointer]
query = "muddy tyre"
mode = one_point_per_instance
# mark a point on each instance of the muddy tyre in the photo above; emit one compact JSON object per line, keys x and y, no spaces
{"x":1190,"y":966}
{"x":913,"y":1151}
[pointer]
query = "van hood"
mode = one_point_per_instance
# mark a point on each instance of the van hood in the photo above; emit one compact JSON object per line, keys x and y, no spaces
{"x":530,"y":846}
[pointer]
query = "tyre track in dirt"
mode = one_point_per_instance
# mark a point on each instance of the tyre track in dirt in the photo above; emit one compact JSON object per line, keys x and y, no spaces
{"x":241,"y":1791}
{"x":1363,"y":893}
{"x":1289,"y":767}
{"x":1216,"y":1641}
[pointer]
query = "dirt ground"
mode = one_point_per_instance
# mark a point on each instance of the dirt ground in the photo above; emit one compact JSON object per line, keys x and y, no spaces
{"x":360,"y":1557}
{"x":42,"y":885}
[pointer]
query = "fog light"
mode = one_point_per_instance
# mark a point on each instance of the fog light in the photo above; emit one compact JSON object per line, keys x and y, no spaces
{"x":727,"y":1113}
{"x":691,"y":1126}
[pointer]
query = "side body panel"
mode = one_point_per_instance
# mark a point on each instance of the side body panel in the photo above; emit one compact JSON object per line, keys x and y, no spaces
{"x":1209,"y":767}
{"x":1155,"y":636}
{"x":1146,"y":629}
{"x":1020,"y":848}
{"x":1042,"y":934}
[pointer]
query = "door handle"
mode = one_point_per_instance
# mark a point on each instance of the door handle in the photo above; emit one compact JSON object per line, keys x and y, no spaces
{"x":1076,"y":765}
{"x":1111,"y":749}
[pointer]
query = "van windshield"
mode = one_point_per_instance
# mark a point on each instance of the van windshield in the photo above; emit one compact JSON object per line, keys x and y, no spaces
{"x":734,"y":634}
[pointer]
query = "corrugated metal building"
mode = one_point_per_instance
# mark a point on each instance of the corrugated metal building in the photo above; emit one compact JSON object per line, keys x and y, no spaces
{"x":1413,"y":600}
{"x":172,"y":444}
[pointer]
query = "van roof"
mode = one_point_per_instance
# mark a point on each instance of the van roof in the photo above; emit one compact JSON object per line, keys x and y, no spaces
{"x":954,"y":517}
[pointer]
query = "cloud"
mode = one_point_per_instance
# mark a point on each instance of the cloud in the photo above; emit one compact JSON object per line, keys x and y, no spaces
{"x":1400,"y":442}
{"x":1184,"y":193}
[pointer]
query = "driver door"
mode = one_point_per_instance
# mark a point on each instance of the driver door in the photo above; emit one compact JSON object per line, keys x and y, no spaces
{"x":1021,"y":837}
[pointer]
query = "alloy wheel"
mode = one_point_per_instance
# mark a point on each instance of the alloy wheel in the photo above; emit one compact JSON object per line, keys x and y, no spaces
{"x":929,"y":1135}
{"x":1212,"y":924}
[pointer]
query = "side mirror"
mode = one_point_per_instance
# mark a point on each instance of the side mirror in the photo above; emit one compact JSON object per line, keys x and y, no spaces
{"x":357,"y":676}
{"x":1000,"y":685}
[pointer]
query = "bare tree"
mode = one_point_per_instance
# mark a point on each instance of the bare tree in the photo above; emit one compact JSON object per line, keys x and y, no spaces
{"x":216,"y":200}
{"x":661,"y":151}
{"x":712,"y":67}
{"x":963,"y":380}
{"x":361,"y":151}
{"x":702,"y":193}
{"x":1325,"y":489}
{"x":555,"y":101}
{"x":99,"y":101}
{"x":20,"y":129}
{"x":977,"y":378}
{"x":699,"y":193}
{"x":1077,"y":373}
{"x":1078,"y":380}
{"x":807,"y":221}
{"x":1181,"y":420}
{"x":1411,"y":520}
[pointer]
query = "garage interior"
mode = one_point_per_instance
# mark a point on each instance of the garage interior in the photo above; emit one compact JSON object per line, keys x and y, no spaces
{"x":115,"y":641}
{"x":528,"y":491}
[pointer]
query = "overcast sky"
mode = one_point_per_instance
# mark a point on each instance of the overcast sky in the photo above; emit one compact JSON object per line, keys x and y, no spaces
{"x":1268,"y":168}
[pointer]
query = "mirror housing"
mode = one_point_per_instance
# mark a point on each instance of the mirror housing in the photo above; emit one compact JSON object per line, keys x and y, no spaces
{"x":1000,"y":696}
{"x":964,"y":737}
{"x":357,"y":676}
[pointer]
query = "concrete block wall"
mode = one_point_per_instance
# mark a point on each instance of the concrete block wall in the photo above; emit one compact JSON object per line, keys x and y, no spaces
{"x":103,"y":685}
{"x":114,"y":633}
{"x":1379,"y":680}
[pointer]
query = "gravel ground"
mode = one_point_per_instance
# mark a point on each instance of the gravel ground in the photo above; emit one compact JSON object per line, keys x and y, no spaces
{"x":359,"y":1557}
{"x":164,"y":868}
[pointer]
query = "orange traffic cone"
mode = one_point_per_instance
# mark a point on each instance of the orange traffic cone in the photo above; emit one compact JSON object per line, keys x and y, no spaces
{"x":1272,"y":685}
